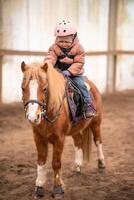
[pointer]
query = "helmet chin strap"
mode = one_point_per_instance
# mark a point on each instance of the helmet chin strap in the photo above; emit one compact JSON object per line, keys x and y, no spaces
{"x":74,"y":36}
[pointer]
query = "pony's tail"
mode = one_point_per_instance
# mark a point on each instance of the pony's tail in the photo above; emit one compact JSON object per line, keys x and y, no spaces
{"x":87,"y":143}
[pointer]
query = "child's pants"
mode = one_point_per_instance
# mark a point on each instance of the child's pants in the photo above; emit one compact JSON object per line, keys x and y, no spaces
{"x":79,"y":82}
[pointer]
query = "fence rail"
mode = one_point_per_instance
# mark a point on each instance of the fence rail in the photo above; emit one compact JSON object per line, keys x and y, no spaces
{"x":111,"y":56}
{"x":5,"y":52}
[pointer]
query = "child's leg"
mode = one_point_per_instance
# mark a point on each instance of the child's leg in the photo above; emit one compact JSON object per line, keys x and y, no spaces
{"x":79,"y":82}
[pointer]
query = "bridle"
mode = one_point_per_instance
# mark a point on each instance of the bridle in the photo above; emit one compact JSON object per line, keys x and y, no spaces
{"x":43,"y":106}
{"x":32,"y":101}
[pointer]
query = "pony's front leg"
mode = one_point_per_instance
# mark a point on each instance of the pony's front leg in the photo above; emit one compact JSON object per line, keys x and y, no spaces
{"x":42,"y":150}
{"x":78,"y":152}
{"x":56,"y":164}
{"x":98,"y":142}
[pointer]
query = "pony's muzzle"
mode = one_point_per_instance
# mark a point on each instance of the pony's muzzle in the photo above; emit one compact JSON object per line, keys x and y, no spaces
{"x":34,"y":119}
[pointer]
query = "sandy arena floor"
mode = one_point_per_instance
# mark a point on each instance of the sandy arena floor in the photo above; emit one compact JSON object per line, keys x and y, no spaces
{"x":18,"y":156}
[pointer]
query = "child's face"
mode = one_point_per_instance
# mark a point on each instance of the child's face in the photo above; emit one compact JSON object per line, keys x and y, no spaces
{"x":64,"y":44}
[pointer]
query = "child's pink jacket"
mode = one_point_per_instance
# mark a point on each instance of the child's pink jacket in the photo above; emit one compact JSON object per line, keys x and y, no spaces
{"x":77,"y":62}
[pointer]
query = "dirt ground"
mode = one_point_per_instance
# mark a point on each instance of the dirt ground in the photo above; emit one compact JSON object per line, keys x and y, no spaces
{"x":18,"y":156}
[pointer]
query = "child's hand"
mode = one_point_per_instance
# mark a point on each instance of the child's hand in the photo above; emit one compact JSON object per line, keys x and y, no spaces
{"x":66,"y":73}
{"x":67,"y":60}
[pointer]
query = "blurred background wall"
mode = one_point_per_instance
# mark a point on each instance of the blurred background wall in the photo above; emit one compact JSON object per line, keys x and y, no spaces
{"x":29,"y":25}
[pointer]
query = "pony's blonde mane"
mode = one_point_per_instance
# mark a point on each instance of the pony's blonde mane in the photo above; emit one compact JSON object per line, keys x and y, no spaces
{"x":56,"y":87}
{"x":56,"y":83}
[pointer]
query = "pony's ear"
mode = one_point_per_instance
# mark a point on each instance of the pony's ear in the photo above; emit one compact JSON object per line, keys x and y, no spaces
{"x":45,"y":66}
{"x":23,"y":66}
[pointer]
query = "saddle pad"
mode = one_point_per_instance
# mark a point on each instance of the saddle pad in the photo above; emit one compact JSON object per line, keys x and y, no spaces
{"x":75,"y":102}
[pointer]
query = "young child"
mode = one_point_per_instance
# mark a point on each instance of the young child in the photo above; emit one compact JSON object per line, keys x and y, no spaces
{"x":68,"y":55}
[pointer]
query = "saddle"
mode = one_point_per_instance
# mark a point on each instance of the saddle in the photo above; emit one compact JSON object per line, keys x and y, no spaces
{"x":75,"y":102}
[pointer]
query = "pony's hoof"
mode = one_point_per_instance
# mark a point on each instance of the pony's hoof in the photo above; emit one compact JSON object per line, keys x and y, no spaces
{"x":39,"y":192}
{"x":57,"y":190}
{"x":101,"y":164}
{"x":78,"y":169}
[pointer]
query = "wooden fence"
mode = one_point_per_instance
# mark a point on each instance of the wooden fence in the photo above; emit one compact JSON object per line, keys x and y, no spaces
{"x":111,"y":57}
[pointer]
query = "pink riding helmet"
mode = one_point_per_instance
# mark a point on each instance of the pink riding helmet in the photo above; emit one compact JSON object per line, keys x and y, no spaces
{"x":65,"y":28}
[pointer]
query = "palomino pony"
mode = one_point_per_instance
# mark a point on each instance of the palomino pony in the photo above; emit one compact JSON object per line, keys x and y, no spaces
{"x":46,"y":108}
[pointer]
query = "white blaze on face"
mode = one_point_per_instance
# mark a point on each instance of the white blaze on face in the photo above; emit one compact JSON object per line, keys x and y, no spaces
{"x":32,"y":108}
{"x":41,"y":175}
{"x":78,"y":156}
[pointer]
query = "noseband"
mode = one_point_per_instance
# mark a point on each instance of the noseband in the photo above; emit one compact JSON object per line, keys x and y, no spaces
{"x":32,"y":101}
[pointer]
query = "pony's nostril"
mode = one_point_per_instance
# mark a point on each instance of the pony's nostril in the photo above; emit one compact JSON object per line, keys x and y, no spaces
{"x":37,"y":119}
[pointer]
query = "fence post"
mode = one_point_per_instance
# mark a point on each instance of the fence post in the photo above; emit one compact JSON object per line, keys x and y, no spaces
{"x":112,"y":59}
{"x":1,"y":62}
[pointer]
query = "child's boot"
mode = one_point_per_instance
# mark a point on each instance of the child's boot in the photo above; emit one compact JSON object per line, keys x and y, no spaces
{"x":90,"y":111}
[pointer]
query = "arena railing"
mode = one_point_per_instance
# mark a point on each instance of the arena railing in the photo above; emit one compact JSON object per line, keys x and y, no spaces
{"x":111,"y":69}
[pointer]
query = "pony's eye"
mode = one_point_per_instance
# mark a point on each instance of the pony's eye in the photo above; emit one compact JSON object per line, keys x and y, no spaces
{"x":45,"y":90}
